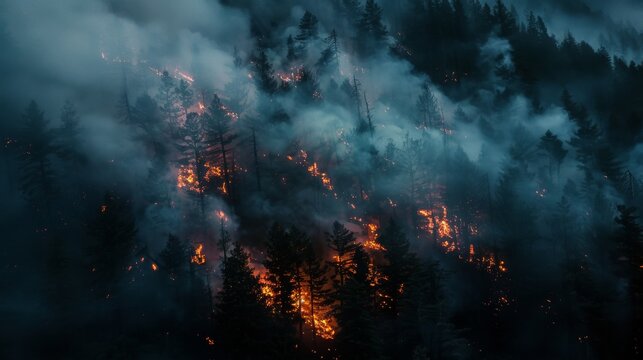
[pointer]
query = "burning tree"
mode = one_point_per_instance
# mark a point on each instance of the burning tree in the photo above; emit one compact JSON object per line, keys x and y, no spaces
{"x":281,"y":267}
{"x":194,"y":149}
{"x":314,"y":297}
{"x":220,"y":137}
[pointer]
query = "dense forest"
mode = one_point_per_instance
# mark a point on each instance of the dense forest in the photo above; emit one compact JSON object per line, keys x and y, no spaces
{"x":341,"y":179}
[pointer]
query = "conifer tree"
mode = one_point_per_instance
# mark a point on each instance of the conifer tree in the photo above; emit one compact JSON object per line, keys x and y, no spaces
{"x":174,"y":258}
{"x":243,"y":324}
{"x":371,"y":22}
{"x":329,"y":59}
{"x":265,"y":77}
{"x":307,"y":31}
{"x":553,"y":148}
{"x":315,"y":284}
{"x":356,"y":336}
{"x":184,"y":96}
{"x":37,"y":148}
{"x":194,"y":148}
{"x":220,"y":137}
{"x":69,"y":134}
{"x":280,"y":264}
{"x":395,"y":268}
{"x":112,"y":231}
{"x":168,"y":101}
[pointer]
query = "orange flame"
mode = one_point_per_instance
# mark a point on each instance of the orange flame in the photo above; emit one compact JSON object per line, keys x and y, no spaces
{"x":372,"y":243}
{"x":198,"y":257}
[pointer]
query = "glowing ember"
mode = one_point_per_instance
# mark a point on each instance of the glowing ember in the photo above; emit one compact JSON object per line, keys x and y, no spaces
{"x":326,"y":182}
{"x":187,"y":179}
{"x":154,"y":267}
{"x":183,"y":75}
{"x":372,"y":243}
{"x":209,"y":341}
{"x":438,"y":225}
{"x":323,"y":323}
{"x":229,"y":113}
{"x":294,"y":75}
{"x":212,"y":171}
{"x":444,"y":229}
{"x":198,"y":257}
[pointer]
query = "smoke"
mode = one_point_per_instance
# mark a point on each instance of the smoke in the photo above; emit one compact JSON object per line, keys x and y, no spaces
{"x":90,"y":51}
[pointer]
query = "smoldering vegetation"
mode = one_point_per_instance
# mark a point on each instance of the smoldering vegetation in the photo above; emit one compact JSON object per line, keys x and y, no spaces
{"x":417,"y":179}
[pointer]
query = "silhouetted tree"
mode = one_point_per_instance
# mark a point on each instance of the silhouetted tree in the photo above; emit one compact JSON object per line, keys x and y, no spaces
{"x":315,"y":284}
{"x":307,"y":31}
{"x":220,"y":136}
{"x":69,"y":134}
{"x":372,"y":31}
{"x":184,"y":96}
{"x":242,"y":319}
{"x":265,"y":78}
{"x":280,"y":264}
{"x":194,"y":147}
{"x":37,"y":148}
{"x":329,"y":59}
{"x":112,"y":232}
{"x":356,"y":337}
{"x":553,"y":148}
{"x":169,"y":101}
{"x":174,"y":258}
{"x":395,"y":267}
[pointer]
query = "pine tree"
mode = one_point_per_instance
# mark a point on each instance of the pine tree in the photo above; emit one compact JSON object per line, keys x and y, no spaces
{"x":174,"y":258}
{"x":280,"y":264}
{"x":243,"y":324}
{"x":371,"y":21}
{"x":553,"y":148}
{"x":194,"y":147}
{"x":395,"y":268}
{"x":37,"y":148}
{"x":69,"y":134}
{"x":428,"y":107}
{"x":351,"y":9}
{"x":329,"y":59}
{"x":307,"y":31}
{"x":342,"y":243}
{"x":356,"y":337}
{"x":265,"y":78}
{"x":307,"y":87}
{"x":576,"y":112}
{"x":505,"y":19}
{"x":629,"y":247}
{"x":112,"y":231}
{"x":315,"y":280}
{"x":184,"y":96}
{"x":168,"y":101}
{"x":220,"y":136}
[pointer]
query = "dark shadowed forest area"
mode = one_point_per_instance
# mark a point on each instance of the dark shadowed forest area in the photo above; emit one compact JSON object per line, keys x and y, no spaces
{"x":309,"y":179}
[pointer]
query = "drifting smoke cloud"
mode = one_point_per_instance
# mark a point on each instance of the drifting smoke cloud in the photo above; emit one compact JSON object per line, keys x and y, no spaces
{"x":87,"y":51}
